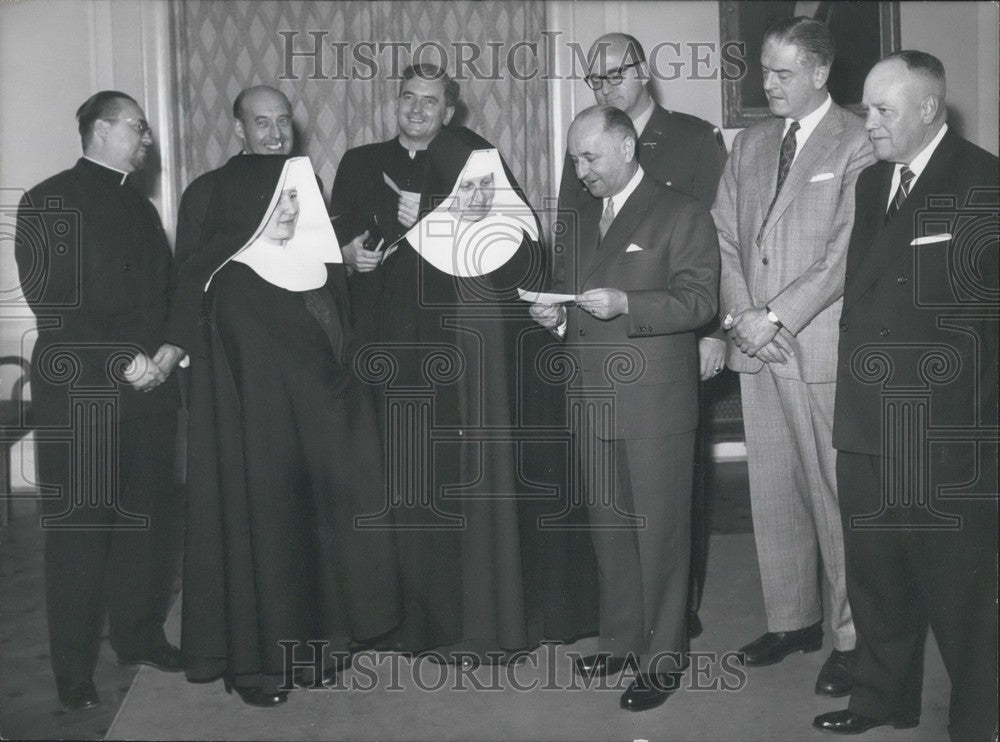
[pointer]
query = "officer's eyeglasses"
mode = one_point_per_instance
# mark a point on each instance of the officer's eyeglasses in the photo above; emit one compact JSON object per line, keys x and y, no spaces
{"x":613,"y":78}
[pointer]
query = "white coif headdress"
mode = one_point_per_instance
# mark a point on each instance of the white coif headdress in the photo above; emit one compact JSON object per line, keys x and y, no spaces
{"x":474,"y":248}
{"x":299,"y":264}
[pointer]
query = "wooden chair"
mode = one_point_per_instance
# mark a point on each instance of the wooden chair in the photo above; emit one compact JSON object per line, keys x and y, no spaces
{"x":15,"y":423}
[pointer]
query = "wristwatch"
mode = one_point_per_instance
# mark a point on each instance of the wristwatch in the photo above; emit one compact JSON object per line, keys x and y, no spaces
{"x":773,"y":318}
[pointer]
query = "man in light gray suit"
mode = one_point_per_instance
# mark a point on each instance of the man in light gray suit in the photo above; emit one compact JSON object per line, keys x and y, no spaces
{"x":784,"y":213}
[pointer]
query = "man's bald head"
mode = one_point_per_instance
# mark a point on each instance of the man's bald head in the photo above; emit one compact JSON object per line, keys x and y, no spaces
{"x":616,"y":65}
{"x":624,"y":46}
{"x":601,"y":146}
{"x":262,"y":120}
{"x":905,"y":98}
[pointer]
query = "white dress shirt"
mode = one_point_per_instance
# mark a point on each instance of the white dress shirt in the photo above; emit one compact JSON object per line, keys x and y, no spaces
{"x":807,"y":124}
{"x":621,"y":197}
{"x":916,"y":166}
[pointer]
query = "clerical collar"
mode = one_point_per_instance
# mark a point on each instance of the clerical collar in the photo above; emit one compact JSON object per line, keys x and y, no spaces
{"x":108,"y":167}
{"x":411,"y":152}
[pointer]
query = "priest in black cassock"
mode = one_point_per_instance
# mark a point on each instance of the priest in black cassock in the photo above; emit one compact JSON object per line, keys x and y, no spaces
{"x":376,"y":194}
{"x":96,"y":268}
{"x":283,"y":451}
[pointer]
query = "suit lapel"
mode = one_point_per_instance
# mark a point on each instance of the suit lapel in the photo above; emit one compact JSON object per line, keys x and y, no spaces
{"x":818,"y":146}
{"x":889,"y":243}
{"x":625,"y":223}
{"x":587,"y":234}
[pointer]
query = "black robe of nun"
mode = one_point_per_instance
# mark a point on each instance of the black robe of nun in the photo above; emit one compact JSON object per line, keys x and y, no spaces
{"x":283,"y":449}
{"x":463,"y":402}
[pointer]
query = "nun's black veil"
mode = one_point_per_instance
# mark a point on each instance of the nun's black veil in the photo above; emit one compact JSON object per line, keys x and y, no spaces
{"x":282,"y":455}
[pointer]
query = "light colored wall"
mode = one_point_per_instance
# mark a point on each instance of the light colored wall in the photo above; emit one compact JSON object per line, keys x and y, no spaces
{"x":964,"y":35}
{"x":966,"y":38}
{"x":53,"y":55}
{"x":41,"y":49}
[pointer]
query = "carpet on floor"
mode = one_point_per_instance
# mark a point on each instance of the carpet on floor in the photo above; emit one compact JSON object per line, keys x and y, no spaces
{"x":398,"y":699}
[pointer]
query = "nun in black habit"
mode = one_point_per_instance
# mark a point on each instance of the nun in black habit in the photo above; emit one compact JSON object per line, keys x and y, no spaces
{"x":462,"y":349}
{"x":283,"y":450}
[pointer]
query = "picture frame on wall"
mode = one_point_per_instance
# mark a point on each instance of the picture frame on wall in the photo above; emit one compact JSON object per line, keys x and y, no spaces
{"x":863,"y":33}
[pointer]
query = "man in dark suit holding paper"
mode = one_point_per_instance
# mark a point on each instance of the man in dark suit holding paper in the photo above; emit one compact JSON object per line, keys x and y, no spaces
{"x":686,"y":153}
{"x":642,"y":261}
{"x":915,"y":422}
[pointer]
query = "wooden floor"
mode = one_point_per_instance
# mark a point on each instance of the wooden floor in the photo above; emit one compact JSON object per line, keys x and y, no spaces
{"x":29,"y":707}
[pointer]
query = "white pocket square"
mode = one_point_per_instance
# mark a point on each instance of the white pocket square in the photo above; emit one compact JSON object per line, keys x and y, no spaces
{"x":633,"y":248}
{"x":932,"y":238}
{"x":821,"y":176}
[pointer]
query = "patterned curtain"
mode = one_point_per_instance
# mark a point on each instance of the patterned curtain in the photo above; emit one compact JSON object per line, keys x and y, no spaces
{"x":222,"y":47}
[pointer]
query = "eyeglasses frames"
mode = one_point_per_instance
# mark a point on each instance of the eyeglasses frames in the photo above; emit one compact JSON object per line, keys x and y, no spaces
{"x":141,"y":126}
{"x":613,"y":78}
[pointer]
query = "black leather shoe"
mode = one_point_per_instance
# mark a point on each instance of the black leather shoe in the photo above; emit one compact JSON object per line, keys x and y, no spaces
{"x":78,"y":696}
{"x":649,"y":691}
{"x":835,"y":678}
{"x":694,"y":625}
{"x":848,"y":722}
{"x":166,"y":657}
{"x":773,"y":647}
{"x":254,"y":695}
{"x":599,"y":665}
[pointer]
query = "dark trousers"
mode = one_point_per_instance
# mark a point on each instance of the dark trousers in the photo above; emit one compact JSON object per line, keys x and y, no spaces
{"x":701,"y":515}
{"x":118,"y":544}
{"x":642,"y":566}
{"x":906,"y":572}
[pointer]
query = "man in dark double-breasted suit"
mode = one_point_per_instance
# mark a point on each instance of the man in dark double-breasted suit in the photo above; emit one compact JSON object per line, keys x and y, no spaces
{"x":915,"y":422}
{"x":642,"y":262}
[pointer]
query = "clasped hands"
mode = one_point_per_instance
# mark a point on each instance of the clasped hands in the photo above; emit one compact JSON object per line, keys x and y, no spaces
{"x":145,"y":373}
{"x":758,"y":337}
{"x":602,"y":303}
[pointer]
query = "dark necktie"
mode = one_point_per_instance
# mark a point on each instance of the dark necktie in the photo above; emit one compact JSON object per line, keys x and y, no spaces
{"x":906,"y":177}
{"x":785,"y":158}
{"x":607,"y":217}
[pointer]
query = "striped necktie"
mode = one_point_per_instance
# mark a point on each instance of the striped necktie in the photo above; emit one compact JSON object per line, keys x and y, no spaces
{"x":906,"y":177}
{"x":607,"y":217}
{"x":788,"y":144}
